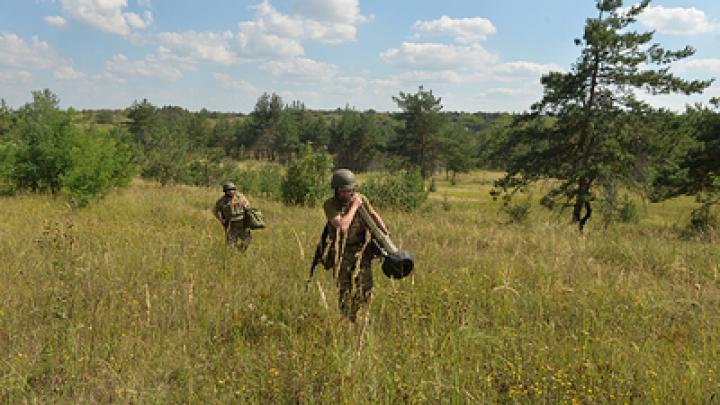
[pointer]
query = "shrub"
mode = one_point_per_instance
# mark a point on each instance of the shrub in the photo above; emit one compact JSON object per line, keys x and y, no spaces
{"x":517,"y":212}
{"x":207,"y":172}
{"x":306,"y":180}
{"x":270,"y":181}
{"x":627,"y":211}
{"x":104,"y":117}
{"x":96,"y":164}
{"x":403,"y":190}
{"x":247,"y":181}
{"x":7,"y":162}
{"x":624,"y":211}
{"x":52,"y":154}
{"x":167,"y":158}
{"x":266,"y":181}
{"x":703,"y":220}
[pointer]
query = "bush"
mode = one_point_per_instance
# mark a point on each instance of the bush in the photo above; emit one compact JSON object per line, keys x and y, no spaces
{"x":247,"y":181}
{"x":624,"y":211}
{"x":270,"y":181}
{"x":96,"y":164}
{"x":7,"y":162}
{"x":104,"y":117}
{"x":404,"y":190}
{"x":517,"y":212}
{"x":51,"y":154}
{"x":306,"y":181}
{"x":167,"y":158}
{"x":266,"y":181}
{"x":206,"y":172}
{"x":627,"y":211}
{"x":703,"y":220}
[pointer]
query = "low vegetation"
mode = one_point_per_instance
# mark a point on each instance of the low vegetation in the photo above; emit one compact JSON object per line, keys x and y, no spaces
{"x":136,"y":299}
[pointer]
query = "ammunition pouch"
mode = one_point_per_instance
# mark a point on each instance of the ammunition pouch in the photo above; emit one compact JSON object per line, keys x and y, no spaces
{"x":254,"y":219}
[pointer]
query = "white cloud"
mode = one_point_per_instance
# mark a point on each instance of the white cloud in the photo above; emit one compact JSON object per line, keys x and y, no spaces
{"x":15,"y":52}
{"x":463,"y":30}
{"x":711,"y":65}
{"x":108,"y":77}
{"x":229,"y":83}
{"x":357,"y":85}
{"x":107,"y":15}
{"x":514,"y":91}
{"x":56,"y":21}
{"x":677,"y":20}
{"x":136,"y":21}
{"x":435,"y":56}
{"x":15,"y":76}
{"x":252,"y":44}
{"x":440,"y":76}
{"x":334,"y":11}
{"x":169,"y":57}
{"x":205,"y":46}
{"x":301,"y":68}
{"x":67,"y":73}
{"x":514,"y":72}
{"x":271,"y":35}
{"x":150,"y":67}
{"x":523,"y":68}
{"x":465,"y":62}
{"x":324,"y":21}
{"x":38,"y":55}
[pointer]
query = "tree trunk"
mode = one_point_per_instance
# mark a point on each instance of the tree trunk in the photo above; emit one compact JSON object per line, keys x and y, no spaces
{"x":584,"y":144}
{"x":578,"y":210}
{"x":582,"y":200}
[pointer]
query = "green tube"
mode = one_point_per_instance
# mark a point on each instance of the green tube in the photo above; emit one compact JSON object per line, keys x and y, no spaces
{"x":384,"y":240}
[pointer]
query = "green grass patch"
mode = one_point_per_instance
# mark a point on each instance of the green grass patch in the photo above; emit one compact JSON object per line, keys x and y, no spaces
{"x":136,"y":300}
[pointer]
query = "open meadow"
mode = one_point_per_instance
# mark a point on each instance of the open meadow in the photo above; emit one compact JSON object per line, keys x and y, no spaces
{"x":136,"y":299}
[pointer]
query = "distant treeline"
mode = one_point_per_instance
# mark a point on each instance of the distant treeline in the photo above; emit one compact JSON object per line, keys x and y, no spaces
{"x":85,"y":153}
{"x":173,"y":145}
{"x":358,"y":140}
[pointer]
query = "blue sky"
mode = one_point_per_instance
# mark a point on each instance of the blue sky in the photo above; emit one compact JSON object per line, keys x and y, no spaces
{"x":477,"y":55}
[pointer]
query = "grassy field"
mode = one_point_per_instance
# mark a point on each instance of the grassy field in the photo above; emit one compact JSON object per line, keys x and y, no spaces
{"x":136,"y":300}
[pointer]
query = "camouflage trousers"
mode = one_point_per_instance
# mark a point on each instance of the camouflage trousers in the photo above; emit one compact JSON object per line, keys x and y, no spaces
{"x":237,"y":235}
{"x":355,"y":280}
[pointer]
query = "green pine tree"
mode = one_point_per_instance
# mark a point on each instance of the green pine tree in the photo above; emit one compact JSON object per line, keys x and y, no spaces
{"x":593,"y":140}
{"x":419,"y":141}
{"x":356,"y":140}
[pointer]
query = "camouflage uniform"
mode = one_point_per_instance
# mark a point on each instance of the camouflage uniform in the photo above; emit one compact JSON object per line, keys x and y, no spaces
{"x":353,"y":272}
{"x":231,"y":211}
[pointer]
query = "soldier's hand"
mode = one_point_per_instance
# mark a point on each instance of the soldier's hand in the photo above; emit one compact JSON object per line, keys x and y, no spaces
{"x":357,"y":199}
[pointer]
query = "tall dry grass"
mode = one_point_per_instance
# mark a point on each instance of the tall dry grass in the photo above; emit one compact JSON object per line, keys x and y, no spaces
{"x":137,"y":300}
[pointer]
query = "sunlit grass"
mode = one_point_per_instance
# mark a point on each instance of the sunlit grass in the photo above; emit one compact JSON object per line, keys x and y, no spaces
{"x":136,"y":299}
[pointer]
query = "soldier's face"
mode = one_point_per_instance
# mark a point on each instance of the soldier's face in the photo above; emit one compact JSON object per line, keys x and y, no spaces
{"x":344,"y":195}
{"x":230,"y":192}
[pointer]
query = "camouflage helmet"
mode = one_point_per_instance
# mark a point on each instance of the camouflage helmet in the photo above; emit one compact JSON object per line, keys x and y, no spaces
{"x":343,"y":178}
{"x":228,"y":186}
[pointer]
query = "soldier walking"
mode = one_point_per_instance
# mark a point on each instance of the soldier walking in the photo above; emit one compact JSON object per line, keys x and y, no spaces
{"x":351,"y":244}
{"x":230,"y":211}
